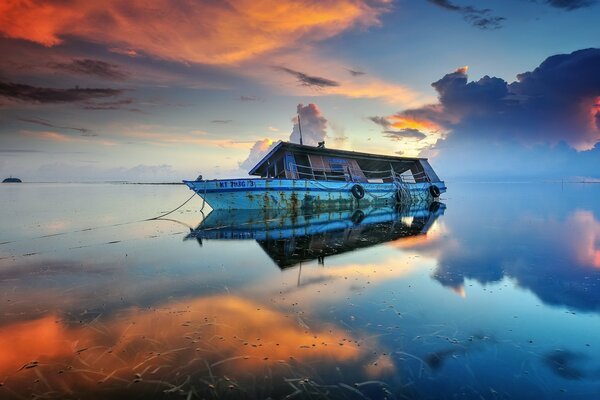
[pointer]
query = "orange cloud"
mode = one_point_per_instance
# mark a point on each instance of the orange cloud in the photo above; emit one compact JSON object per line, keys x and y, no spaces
{"x":208,"y":33}
{"x":373,"y":88}
{"x":61,"y":137}
{"x":402,"y":122}
{"x":196,"y":137}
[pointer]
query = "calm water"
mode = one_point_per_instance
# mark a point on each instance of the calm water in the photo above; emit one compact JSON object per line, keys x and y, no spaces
{"x":495,"y":294}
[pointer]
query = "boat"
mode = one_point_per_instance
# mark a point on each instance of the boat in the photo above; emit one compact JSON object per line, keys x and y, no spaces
{"x":12,"y":180}
{"x":297,"y":176}
{"x":291,"y":238}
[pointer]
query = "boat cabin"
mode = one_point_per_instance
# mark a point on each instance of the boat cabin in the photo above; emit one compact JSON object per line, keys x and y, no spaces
{"x":296,"y":161}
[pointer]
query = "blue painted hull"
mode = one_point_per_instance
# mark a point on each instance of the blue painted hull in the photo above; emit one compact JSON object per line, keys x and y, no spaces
{"x":296,"y":194}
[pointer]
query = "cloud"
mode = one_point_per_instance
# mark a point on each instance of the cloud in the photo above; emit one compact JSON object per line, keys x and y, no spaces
{"x":355,"y":72}
{"x":314,"y":130}
{"x":206,"y":32}
{"x":257,"y":152}
{"x":196,"y":138}
{"x":119,"y":104}
{"x":312,"y":123}
{"x":308,"y":80}
{"x":405,"y":133}
{"x":33,"y":94}
{"x":406,"y":127}
{"x":548,"y":117}
{"x":46,"y":123}
{"x":479,"y":18}
{"x":221,"y":121}
{"x":61,"y":137}
{"x":248,"y":98}
{"x":19,"y":151}
{"x":91,"y":67}
{"x":569,"y":5}
{"x":381,"y":121}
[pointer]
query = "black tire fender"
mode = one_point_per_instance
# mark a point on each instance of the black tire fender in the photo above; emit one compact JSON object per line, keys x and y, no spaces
{"x":357,"y":191}
{"x":434,"y":191}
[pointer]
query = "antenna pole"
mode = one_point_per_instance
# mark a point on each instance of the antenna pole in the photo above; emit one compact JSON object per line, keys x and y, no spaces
{"x":300,"y":128}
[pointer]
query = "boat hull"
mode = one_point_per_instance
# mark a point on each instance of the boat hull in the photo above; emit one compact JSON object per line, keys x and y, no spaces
{"x":296,"y":194}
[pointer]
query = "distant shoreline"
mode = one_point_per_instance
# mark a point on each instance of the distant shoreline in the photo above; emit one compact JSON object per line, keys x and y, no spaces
{"x":181,"y":183}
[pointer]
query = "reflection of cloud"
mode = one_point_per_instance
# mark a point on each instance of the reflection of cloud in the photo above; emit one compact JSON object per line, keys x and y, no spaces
{"x":565,"y":364}
{"x":587,"y":245}
{"x":548,"y":242}
{"x":221,"y":335}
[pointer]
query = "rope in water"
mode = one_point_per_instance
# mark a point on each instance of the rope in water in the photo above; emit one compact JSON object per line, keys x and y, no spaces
{"x":184,"y":203}
{"x":175,"y":209}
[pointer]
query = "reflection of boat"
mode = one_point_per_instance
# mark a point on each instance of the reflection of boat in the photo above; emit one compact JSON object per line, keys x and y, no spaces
{"x":290,"y":238}
{"x":295,"y":176}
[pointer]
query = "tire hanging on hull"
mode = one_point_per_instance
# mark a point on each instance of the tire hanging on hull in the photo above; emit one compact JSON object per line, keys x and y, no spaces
{"x":357,"y":191}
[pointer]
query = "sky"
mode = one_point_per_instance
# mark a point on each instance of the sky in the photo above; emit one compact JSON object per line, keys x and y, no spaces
{"x":156,"y":91}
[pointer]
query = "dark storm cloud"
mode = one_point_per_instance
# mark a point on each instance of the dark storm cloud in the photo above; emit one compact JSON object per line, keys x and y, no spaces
{"x":458,"y":96}
{"x":91,"y":67}
{"x":546,"y":124}
{"x":569,"y":4}
{"x":309,"y":80}
{"x":479,"y":18}
{"x":33,"y":94}
{"x":558,"y":101}
{"x":43,"y":122}
{"x":408,"y":133}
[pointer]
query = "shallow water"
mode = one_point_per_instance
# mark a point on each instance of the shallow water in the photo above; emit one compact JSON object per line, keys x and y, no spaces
{"x":495,"y":294}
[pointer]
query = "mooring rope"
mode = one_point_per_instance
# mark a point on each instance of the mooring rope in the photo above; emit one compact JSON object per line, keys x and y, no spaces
{"x":175,"y":209}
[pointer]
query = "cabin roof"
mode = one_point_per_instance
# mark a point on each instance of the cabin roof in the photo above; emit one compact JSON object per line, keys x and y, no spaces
{"x":322,"y":151}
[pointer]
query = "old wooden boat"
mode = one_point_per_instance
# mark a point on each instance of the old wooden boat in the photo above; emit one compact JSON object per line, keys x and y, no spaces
{"x":295,"y":176}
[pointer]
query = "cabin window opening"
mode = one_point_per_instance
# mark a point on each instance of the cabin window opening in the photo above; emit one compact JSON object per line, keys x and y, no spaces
{"x":303,"y":165}
{"x":279,"y":169}
{"x":338,"y":169}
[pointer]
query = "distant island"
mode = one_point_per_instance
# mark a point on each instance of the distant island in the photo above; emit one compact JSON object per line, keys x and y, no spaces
{"x":12,"y":180}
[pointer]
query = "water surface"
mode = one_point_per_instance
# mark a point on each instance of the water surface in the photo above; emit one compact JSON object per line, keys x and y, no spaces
{"x":494,"y":294}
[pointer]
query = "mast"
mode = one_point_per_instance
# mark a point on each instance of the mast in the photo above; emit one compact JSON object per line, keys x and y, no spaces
{"x":300,"y":128}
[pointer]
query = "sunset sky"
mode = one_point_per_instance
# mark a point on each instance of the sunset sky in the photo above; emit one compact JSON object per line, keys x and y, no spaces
{"x":162,"y":91}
